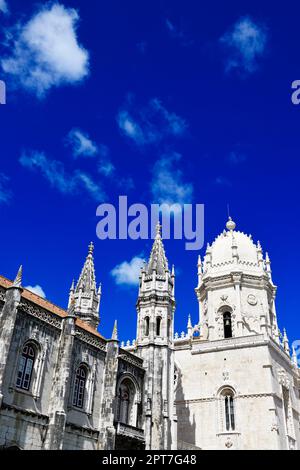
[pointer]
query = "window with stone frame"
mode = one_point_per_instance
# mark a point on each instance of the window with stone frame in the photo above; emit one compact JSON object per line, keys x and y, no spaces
{"x":79,"y":389}
{"x":228,"y":405}
{"x":26,"y":367}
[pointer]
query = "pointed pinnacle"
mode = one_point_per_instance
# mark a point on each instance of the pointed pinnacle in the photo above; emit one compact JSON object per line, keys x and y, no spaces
{"x":18,"y":279}
{"x":189,"y":325}
{"x":115,"y":332}
{"x":91,"y":248}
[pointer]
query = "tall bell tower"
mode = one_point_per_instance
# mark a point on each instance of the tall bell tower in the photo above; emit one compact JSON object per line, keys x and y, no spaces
{"x":155,"y":331}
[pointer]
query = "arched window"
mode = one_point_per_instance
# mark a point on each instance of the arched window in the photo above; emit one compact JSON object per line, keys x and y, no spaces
{"x":227,"y":323}
{"x":25,"y":367}
{"x":158,"y":325}
{"x":229,"y":409}
{"x":79,"y":387}
{"x":127,"y":412}
{"x":147,"y":323}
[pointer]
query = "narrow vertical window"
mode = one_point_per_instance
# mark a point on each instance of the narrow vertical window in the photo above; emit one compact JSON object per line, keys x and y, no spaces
{"x":227,"y":323}
{"x":229,"y":410}
{"x":147,"y":323}
{"x":79,"y":387}
{"x":158,"y":326}
{"x":25,"y":367}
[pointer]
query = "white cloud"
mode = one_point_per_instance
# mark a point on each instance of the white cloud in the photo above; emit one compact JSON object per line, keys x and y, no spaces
{"x":4,"y":7}
{"x":5,"y":194}
{"x":54,"y":171}
{"x":246,"y":43}
{"x":167,"y":184}
{"x":150,"y":124}
{"x":46,"y":52}
{"x":127,"y":273}
{"x":81,"y":144}
{"x":131,"y":128}
{"x":37,"y":290}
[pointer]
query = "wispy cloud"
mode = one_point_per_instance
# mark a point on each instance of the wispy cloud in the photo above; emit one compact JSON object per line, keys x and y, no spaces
{"x":127,"y":273}
{"x":235,"y":158}
{"x":167,"y":184}
{"x":38,"y":290}
{"x":4,"y":7}
{"x":150,"y":124}
{"x":246,"y":43}
{"x":45,"y":51}
{"x":5,"y":193}
{"x":54,"y":172}
{"x":176,"y":33}
{"x":81,"y":144}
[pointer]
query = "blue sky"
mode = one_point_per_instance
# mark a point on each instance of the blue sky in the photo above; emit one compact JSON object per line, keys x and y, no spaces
{"x":158,"y":100}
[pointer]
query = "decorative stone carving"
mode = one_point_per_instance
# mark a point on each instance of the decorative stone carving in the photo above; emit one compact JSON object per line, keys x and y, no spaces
{"x":228,"y":443}
{"x":252,"y":300}
{"x":225,"y":375}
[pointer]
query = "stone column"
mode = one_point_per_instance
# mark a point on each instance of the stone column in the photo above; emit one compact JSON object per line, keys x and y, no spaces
{"x":61,"y":387}
{"x":107,"y":434}
{"x":8,"y":317}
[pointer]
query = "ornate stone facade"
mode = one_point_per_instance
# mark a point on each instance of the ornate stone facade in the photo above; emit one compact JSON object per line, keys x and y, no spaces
{"x":229,"y":382}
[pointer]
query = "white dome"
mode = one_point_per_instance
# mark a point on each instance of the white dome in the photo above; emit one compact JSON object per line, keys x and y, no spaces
{"x":234,"y":249}
{"x":221,"y":249}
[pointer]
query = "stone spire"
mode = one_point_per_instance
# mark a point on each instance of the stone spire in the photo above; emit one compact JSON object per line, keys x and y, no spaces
{"x":158,"y":261}
{"x":189,"y":326}
{"x":260,"y":258}
{"x":285,"y":342}
{"x":87,"y":279}
{"x":114,"y":335}
{"x":268,"y":265}
{"x":18,"y":279}
{"x":86,"y":295}
{"x":208,"y":257}
{"x":294,"y":357}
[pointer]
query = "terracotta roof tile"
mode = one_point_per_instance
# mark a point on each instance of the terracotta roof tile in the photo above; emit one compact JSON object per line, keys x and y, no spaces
{"x":49,"y":306}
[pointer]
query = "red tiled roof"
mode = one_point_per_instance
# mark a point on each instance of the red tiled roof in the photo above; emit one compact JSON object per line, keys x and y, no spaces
{"x":49,"y":306}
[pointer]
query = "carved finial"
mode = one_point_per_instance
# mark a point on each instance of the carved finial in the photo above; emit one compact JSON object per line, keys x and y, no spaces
{"x":18,"y":279}
{"x":158,"y":230}
{"x":294,"y":357}
{"x":285,"y":342}
{"x":199,"y":265}
{"x":100,"y":289}
{"x":91,"y":248}
{"x":189,"y":324}
{"x":231,"y":225}
{"x":114,"y":335}
{"x":268,"y":264}
{"x":71,"y":306}
{"x":72,"y":286}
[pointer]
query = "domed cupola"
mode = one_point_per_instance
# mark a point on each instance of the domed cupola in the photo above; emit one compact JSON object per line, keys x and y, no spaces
{"x":235,"y":290}
{"x":233,"y":249}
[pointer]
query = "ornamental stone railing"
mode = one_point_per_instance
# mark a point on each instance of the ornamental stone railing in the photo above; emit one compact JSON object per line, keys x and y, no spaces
{"x":130,"y":431}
